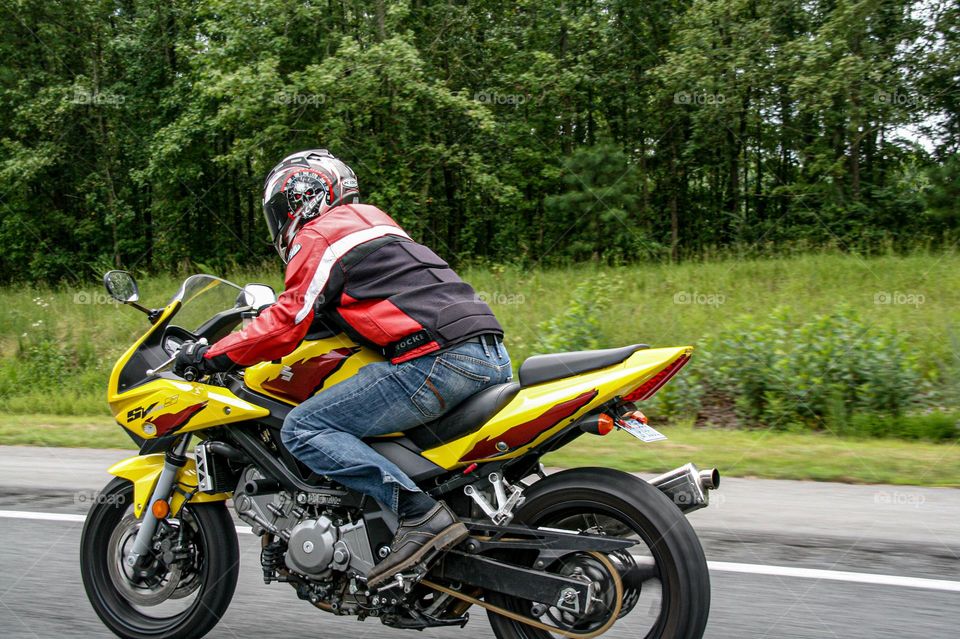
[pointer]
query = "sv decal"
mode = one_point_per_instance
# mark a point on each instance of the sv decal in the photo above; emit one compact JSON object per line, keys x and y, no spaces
{"x":139,"y":412}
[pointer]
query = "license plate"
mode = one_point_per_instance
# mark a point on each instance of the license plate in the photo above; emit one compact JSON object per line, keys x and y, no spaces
{"x":640,"y":430}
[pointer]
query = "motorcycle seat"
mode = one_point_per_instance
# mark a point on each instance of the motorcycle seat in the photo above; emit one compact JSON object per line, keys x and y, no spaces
{"x":545,"y":368}
{"x":465,"y":418}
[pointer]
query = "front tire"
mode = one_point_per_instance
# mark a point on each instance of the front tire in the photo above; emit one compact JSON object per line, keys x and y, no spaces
{"x":628,"y":506}
{"x":204,"y":589}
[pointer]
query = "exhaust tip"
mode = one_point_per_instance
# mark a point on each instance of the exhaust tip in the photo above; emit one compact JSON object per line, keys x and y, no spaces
{"x":710,"y":479}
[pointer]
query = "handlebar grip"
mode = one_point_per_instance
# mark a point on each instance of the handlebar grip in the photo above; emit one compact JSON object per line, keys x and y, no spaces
{"x":190,"y":374}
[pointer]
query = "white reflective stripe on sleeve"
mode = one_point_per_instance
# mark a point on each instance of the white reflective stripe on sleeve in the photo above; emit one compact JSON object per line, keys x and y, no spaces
{"x":334,"y":252}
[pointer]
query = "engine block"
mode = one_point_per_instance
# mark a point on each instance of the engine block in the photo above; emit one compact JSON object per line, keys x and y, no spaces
{"x":317,"y":545}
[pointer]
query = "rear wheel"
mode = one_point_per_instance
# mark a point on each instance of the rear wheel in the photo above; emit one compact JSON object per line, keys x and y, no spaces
{"x":666,"y":585}
{"x":182,"y":590}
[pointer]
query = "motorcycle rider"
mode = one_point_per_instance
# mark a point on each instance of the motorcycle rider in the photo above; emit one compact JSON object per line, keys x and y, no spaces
{"x":353,"y":266}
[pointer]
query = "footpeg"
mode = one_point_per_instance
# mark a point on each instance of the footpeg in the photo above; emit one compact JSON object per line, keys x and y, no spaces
{"x":404,"y":582}
{"x":508,"y":498}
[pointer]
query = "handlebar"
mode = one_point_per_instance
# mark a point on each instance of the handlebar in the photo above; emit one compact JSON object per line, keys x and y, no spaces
{"x":190,"y":374}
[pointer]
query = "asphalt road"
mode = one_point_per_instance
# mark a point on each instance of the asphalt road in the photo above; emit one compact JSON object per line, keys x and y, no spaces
{"x":825,"y":545}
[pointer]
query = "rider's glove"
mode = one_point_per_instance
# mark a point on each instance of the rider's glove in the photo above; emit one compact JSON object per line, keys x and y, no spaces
{"x":190,"y":359}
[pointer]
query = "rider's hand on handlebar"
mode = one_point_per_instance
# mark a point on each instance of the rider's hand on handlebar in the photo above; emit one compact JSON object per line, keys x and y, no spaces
{"x":190,"y":362}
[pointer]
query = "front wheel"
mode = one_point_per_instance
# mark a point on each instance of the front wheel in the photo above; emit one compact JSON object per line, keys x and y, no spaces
{"x":666,"y":584}
{"x":184,"y":587}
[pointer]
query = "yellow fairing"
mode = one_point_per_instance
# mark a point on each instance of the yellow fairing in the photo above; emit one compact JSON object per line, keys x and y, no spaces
{"x":143,"y":472}
{"x":547,"y":408}
{"x":164,"y":405}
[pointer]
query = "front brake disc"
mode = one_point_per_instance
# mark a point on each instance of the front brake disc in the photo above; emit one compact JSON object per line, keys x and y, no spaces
{"x":148,"y":591}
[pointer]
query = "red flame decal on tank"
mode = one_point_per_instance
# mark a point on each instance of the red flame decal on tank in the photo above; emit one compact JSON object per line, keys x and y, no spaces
{"x":302,"y":379}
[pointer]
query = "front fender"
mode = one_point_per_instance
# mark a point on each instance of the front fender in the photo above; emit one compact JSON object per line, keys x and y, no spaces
{"x":144,"y":470}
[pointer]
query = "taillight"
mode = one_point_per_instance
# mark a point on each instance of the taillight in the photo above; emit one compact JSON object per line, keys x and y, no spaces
{"x":652,"y":385}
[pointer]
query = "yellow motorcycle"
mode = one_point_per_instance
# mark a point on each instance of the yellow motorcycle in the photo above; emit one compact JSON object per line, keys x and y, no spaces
{"x":571,"y":554}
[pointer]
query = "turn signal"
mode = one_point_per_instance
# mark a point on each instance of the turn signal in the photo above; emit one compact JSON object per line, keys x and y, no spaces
{"x":601,"y":424}
{"x":604,"y":424}
{"x":160,"y":509}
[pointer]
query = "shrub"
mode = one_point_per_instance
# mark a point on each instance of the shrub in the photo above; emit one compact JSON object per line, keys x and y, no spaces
{"x":54,"y":375}
{"x":930,"y":426}
{"x":579,"y":327}
{"x":817,"y":374}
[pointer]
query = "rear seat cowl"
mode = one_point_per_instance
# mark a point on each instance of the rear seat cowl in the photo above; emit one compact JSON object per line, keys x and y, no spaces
{"x":545,"y":368}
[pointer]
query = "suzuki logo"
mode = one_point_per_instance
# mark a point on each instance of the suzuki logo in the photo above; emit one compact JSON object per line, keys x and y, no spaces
{"x":286,"y":373}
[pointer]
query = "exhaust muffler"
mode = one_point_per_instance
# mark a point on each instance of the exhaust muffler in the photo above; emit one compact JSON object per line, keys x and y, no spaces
{"x":688,"y":487}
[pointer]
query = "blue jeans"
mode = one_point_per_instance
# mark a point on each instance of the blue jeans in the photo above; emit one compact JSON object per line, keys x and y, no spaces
{"x":325,"y":432}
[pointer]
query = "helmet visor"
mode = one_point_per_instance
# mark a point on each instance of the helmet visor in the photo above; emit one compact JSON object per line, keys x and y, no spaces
{"x":276,"y":213}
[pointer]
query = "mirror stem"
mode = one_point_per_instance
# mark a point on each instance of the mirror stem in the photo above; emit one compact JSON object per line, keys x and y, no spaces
{"x":153,"y":314}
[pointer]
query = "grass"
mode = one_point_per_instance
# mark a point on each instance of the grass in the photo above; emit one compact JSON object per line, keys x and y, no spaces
{"x":767,"y":454}
{"x":773,"y":455}
{"x":61,"y":430}
{"x":659,"y":304}
{"x":664,"y":304}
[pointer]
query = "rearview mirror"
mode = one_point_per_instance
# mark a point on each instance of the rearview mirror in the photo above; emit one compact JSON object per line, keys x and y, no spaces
{"x":259,"y":295}
{"x":121,"y":286}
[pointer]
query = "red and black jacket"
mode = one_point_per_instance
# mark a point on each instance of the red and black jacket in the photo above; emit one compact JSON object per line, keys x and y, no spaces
{"x":357,"y":267}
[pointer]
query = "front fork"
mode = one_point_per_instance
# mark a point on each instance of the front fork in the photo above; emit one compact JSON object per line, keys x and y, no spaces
{"x":174,"y":460}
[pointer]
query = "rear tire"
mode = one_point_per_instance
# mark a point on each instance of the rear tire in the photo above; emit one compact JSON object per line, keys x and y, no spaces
{"x":217,"y":573}
{"x":671,"y":540}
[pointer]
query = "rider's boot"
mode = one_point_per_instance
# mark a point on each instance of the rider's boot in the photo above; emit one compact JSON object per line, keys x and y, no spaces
{"x":418,"y":542}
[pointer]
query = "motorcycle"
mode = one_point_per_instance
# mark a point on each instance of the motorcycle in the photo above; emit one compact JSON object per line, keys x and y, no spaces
{"x":568,"y":554}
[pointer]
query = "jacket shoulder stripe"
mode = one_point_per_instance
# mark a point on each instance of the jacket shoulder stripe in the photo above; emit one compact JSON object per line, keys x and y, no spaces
{"x":334,"y":252}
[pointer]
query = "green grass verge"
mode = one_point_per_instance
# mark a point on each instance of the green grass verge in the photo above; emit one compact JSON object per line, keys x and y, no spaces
{"x":660,"y":304}
{"x":61,"y":430}
{"x":772,"y":455}
{"x":767,"y":454}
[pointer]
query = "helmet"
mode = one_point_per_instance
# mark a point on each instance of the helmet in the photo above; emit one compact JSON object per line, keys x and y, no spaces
{"x":303,"y":186}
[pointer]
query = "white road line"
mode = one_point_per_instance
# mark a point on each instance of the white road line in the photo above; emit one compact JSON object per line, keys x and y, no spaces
{"x":837,"y":575}
{"x":717,"y":566}
{"x":25,"y":514}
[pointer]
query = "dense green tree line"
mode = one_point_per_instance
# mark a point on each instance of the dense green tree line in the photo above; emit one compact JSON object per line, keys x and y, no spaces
{"x":137,"y":132}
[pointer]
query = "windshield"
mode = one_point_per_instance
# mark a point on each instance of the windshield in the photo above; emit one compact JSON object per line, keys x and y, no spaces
{"x":203,"y":296}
